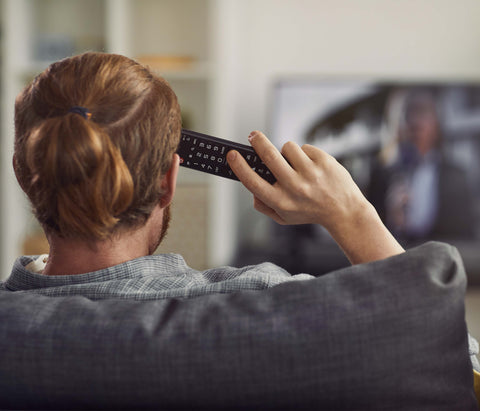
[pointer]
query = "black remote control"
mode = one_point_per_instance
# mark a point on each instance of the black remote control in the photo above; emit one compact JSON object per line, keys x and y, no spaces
{"x":209,"y":154}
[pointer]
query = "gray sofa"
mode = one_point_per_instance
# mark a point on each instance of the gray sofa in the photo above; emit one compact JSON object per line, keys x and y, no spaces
{"x":386,"y":335}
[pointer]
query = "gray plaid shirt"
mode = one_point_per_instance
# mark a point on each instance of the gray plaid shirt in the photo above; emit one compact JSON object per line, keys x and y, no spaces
{"x":148,"y":278}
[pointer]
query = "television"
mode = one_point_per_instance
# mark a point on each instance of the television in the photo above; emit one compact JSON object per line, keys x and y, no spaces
{"x":413,"y":148}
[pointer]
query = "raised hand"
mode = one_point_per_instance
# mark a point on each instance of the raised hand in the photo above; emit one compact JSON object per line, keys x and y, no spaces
{"x":312,"y":187}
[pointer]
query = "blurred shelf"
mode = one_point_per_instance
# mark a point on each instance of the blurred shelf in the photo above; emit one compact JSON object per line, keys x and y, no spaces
{"x":196,"y":71}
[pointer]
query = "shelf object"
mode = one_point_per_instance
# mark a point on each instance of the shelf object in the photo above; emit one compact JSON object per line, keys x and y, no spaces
{"x":161,"y":63}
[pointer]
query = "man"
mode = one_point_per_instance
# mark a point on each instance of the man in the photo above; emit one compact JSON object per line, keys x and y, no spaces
{"x":96,"y":137}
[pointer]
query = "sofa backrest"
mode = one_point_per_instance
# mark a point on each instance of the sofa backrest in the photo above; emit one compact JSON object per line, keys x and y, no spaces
{"x":385,"y":335}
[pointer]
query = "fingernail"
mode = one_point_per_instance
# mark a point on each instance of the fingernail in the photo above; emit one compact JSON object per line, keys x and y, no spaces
{"x":252,"y":135}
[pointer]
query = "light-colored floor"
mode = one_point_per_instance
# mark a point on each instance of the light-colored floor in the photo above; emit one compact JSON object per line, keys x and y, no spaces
{"x":472,"y":308}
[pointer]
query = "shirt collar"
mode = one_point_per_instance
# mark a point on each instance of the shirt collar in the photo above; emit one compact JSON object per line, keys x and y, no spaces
{"x":162,"y":264}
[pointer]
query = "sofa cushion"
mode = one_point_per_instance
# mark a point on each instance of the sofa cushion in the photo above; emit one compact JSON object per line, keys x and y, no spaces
{"x":385,"y":335}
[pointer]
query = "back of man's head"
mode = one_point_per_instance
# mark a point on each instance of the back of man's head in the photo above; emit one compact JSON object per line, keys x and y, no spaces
{"x":94,"y":134}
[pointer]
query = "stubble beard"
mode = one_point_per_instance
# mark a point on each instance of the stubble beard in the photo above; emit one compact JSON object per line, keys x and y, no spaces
{"x":165,"y":225}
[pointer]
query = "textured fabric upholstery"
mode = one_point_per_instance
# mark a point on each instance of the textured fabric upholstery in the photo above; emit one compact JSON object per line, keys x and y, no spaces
{"x":385,"y":335}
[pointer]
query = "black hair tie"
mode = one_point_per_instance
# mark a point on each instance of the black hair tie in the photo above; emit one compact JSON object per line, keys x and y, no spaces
{"x":84,"y":112}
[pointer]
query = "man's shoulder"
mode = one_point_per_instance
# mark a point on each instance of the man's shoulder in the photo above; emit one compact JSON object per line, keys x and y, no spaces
{"x":149,"y":278}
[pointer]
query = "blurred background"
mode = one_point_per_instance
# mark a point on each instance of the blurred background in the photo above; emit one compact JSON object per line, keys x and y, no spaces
{"x":390,"y":87}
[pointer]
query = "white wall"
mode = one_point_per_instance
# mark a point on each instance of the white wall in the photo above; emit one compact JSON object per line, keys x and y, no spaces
{"x":388,"y":39}
{"x":374,"y":38}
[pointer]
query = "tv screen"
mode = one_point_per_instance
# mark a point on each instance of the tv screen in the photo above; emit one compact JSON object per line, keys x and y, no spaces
{"x":413,"y":149}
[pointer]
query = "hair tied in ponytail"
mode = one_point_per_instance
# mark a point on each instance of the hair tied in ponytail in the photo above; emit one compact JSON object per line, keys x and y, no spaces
{"x":84,"y":112}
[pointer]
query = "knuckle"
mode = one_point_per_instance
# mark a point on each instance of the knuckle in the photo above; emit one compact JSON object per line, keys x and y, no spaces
{"x":309,"y":149}
{"x":269,"y":155}
{"x":288,"y":146}
{"x":252,"y":182}
{"x":329,"y":161}
{"x":286,"y":206}
{"x":303,"y":190}
{"x":314,"y":152}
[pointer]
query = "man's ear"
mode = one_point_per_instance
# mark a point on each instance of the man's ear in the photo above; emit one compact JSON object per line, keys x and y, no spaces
{"x":169,"y":182}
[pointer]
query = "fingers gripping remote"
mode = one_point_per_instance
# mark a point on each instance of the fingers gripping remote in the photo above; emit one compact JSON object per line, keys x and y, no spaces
{"x":209,"y":154}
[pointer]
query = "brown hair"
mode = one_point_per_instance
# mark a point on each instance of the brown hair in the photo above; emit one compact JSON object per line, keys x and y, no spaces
{"x":87,"y":177}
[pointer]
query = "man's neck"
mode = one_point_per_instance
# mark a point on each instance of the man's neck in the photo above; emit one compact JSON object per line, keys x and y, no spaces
{"x":70,"y":256}
{"x":73,"y":256}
